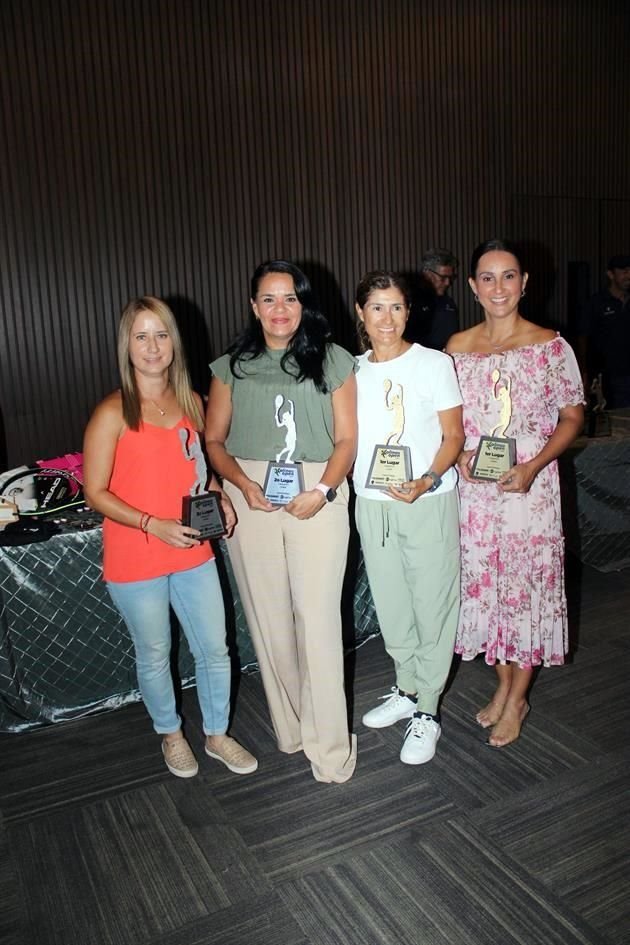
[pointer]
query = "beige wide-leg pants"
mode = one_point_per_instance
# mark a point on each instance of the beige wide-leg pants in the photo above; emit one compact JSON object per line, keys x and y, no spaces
{"x":289,"y":575}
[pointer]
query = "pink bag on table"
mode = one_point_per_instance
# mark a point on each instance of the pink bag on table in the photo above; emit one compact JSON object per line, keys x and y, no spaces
{"x":71,"y":463}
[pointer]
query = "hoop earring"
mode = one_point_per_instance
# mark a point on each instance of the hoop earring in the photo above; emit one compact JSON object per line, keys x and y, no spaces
{"x":522,"y":293}
{"x":476,"y":298}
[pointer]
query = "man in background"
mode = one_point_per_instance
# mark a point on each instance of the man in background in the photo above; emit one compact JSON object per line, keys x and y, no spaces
{"x":434,"y":317}
{"x":604,"y":335}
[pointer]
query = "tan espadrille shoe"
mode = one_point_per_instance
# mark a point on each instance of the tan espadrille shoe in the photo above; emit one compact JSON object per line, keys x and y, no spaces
{"x":233,"y":755}
{"x":179,"y":758}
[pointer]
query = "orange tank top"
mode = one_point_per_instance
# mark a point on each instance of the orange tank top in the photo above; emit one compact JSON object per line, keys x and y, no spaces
{"x":154,"y":469}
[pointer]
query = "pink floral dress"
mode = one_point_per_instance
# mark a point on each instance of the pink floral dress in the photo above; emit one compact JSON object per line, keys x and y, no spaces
{"x":513,"y":600}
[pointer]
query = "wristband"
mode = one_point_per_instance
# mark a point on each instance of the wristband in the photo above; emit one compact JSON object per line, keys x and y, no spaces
{"x":144,"y":524}
{"x":327,"y":491}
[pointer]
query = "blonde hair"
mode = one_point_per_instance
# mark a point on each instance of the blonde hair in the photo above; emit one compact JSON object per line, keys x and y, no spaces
{"x":178,"y":375}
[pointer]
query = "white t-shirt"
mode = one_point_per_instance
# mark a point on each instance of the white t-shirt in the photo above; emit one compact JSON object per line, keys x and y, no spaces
{"x":404,"y":394}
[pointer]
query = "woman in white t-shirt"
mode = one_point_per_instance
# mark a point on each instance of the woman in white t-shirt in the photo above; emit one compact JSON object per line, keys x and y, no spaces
{"x":410,"y":434}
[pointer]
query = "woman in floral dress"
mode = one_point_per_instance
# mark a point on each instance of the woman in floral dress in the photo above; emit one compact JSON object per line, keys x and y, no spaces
{"x":521,"y":381}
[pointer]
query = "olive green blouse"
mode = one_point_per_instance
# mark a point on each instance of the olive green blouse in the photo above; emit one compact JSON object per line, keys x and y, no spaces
{"x":276,"y":417}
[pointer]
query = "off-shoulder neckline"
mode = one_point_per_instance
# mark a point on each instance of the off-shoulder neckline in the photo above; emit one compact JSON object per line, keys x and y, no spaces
{"x":499,"y":354}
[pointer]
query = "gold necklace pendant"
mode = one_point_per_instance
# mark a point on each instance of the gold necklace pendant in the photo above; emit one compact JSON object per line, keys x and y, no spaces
{"x":161,"y":412}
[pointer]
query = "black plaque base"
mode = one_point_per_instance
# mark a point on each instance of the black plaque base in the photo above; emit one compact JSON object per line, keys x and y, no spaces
{"x":204,"y":512}
{"x":597,"y":424}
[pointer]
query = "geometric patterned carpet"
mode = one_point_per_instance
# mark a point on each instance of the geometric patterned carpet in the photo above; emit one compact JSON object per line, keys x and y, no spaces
{"x":99,"y":845}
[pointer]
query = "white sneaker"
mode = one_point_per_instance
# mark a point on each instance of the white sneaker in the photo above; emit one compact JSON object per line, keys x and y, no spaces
{"x":420,"y":741}
{"x":395,"y":707}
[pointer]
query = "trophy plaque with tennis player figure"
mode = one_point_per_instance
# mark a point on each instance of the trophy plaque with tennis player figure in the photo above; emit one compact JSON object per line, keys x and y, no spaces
{"x":391,"y":461}
{"x":496,"y":452}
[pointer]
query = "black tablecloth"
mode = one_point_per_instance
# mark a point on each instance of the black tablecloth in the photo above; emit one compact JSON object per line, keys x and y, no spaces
{"x":65,"y":652}
{"x":595,"y":478}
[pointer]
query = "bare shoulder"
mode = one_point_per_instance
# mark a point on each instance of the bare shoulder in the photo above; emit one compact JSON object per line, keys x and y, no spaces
{"x":111,"y":405}
{"x":463,"y":342}
{"x":535,"y":335}
{"x":108,"y":415}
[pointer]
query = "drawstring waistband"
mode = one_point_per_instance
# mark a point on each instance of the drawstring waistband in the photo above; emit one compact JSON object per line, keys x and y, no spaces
{"x":384,"y":522}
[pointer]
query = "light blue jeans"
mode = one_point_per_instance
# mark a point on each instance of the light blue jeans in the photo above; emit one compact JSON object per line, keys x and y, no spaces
{"x":195,"y":596}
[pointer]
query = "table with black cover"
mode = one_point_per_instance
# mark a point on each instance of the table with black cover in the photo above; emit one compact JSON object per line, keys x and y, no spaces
{"x":64,"y":650}
{"x":595,"y":482}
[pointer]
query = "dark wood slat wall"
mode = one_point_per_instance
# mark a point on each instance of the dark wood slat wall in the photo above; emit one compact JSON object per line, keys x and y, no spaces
{"x":153,"y":146}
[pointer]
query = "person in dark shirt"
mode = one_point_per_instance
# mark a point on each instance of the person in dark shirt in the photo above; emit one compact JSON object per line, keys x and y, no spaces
{"x":604,"y":331}
{"x":433,"y":318}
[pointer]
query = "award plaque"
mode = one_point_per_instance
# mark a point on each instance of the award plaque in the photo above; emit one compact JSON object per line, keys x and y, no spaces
{"x":597,"y":419}
{"x":494,"y":456}
{"x":496,"y":453}
{"x":598,"y":424}
{"x":204,"y":512}
{"x":283,"y":481}
{"x":389,"y":466}
{"x":391,"y":461}
{"x":284,"y":478}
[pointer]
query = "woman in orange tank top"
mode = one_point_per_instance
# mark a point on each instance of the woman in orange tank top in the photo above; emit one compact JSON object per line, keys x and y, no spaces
{"x":142,"y":454}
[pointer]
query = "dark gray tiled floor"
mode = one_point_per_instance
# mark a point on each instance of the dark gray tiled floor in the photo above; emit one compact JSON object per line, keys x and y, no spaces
{"x":99,"y":845}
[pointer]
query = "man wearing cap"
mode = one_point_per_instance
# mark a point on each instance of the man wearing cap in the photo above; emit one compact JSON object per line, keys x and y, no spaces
{"x":605,"y":334}
{"x":433,"y":318}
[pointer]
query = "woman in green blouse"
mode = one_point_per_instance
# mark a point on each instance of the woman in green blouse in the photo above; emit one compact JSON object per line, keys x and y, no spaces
{"x":282,"y":433}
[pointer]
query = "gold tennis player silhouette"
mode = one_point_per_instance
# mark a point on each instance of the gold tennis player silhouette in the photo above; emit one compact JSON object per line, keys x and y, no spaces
{"x":394,"y":402}
{"x":503,"y":395}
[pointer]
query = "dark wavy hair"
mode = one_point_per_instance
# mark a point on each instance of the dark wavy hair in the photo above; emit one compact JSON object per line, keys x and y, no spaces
{"x":306,"y":351}
{"x":491,"y":246}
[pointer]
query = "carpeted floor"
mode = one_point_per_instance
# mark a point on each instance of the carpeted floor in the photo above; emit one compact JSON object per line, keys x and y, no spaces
{"x":528,"y":845}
